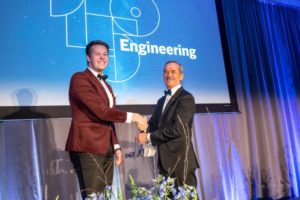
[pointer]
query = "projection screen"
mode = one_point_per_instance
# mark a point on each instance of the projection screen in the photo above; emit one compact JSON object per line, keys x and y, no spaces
{"x":43,"y":44}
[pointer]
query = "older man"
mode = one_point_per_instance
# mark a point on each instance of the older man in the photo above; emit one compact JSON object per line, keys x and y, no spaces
{"x":169,"y":128}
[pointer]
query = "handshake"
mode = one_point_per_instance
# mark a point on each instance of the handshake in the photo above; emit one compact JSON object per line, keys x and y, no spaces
{"x":142,"y":124}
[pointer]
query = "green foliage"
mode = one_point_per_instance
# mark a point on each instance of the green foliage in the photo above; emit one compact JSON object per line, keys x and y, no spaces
{"x":134,"y":189}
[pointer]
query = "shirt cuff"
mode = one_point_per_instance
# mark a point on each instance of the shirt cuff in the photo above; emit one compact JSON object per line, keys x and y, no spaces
{"x":129,"y":118}
{"x":116,"y":147}
{"x":148,"y":137}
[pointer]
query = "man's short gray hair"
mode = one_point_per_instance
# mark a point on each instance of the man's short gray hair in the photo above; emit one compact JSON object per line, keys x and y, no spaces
{"x":174,"y":61}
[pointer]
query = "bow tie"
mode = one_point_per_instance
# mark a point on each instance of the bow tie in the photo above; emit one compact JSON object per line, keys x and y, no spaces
{"x":168,"y":92}
{"x":102,"y":77}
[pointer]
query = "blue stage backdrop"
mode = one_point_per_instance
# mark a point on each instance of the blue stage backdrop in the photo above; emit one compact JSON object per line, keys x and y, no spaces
{"x":43,"y":43}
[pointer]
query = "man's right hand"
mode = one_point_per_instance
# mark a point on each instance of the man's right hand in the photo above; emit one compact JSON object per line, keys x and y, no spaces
{"x":141,"y":121}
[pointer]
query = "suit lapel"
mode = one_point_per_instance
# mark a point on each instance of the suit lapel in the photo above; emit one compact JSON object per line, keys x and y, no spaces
{"x":160,"y":105}
{"x":171,"y":101}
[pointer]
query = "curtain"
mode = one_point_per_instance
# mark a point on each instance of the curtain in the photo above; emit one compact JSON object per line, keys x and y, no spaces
{"x":255,"y":153}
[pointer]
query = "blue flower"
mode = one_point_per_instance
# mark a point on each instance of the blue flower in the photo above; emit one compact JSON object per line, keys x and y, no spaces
{"x":174,"y":191}
{"x":92,"y":196}
{"x":162,"y":188}
{"x":161,"y":194}
{"x":178,"y":196}
{"x":108,"y":187}
{"x":101,"y":197}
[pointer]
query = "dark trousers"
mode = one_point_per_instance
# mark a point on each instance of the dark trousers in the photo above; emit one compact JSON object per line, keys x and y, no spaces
{"x":94,"y":172}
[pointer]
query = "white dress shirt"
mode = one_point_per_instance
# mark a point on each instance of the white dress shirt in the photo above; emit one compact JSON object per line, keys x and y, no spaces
{"x":111,"y":100}
{"x":168,"y":97}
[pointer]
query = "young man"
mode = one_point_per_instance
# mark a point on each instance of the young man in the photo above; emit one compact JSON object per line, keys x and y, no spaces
{"x":92,"y":141}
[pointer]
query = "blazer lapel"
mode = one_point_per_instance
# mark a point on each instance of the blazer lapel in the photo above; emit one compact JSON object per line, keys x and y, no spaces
{"x":100,"y":88}
{"x":112,"y":93}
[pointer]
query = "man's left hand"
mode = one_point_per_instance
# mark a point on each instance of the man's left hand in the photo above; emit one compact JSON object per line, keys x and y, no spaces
{"x":142,"y":138}
{"x":119,"y":159}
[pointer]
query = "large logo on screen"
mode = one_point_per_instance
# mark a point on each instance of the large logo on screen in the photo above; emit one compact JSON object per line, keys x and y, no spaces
{"x":120,"y":23}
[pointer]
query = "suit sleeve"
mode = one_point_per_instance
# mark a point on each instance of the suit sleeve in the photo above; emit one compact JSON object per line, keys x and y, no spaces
{"x":176,"y":122}
{"x":115,"y":139}
{"x":85,"y":93}
{"x":153,"y":121}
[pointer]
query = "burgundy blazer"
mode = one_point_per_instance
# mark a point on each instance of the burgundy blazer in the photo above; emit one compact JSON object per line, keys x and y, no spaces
{"x":92,"y":127}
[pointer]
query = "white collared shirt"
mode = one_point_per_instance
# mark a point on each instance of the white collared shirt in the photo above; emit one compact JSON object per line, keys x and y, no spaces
{"x":168,"y":97}
{"x":110,"y":95}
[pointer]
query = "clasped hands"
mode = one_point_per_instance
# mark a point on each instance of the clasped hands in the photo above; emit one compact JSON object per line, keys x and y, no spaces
{"x":142,"y":124}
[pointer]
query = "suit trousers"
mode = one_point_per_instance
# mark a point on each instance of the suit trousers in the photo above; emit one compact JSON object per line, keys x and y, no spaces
{"x":94,"y":172}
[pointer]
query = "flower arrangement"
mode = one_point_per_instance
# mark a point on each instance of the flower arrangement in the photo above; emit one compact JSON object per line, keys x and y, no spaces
{"x":163,"y":189}
{"x":105,"y":195}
